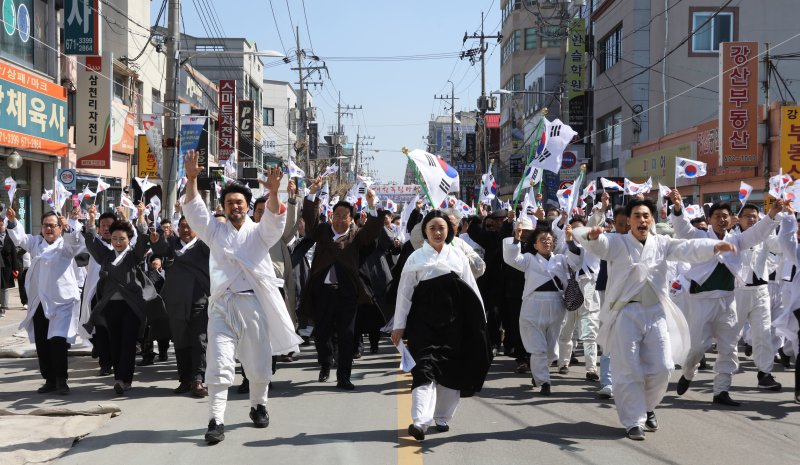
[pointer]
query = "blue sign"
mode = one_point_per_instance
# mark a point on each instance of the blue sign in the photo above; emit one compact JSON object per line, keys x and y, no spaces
{"x":465,"y":166}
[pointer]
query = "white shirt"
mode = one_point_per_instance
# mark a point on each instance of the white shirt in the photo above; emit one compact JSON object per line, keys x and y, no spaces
{"x":538,"y":270}
{"x":425,"y":263}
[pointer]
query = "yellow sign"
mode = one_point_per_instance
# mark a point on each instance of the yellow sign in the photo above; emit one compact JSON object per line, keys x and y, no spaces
{"x":790,"y":141}
{"x":148,"y":163}
{"x":659,"y":165}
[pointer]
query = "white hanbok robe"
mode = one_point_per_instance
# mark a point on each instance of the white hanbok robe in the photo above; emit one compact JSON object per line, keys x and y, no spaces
{"x":244,"y":254}
{"x":786,"y":323}
{"x":51,"y":282}
{"x":647,"y":337}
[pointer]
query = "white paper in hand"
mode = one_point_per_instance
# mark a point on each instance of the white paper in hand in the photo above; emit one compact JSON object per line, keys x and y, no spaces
{"x":407,"y":363}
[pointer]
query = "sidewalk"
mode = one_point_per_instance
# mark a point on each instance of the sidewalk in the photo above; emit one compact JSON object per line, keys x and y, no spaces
{"x":14,"y":341}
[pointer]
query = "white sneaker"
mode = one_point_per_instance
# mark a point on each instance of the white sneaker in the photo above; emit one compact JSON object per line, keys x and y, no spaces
{"x":605,"y":392}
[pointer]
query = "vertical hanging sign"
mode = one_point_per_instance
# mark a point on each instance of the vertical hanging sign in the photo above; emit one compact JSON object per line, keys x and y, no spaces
{"x":246,"y":131}
{"x":576,"y":74}
{"x":738,"y":115}
{"x":226,"y":143}
{"x":93,"y":114}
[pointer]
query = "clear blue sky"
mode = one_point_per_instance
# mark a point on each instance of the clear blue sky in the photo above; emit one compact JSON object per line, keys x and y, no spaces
{"x":397,"y":96}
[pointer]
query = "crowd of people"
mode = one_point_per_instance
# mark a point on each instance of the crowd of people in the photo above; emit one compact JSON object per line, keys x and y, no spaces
{"x":253,"y":282}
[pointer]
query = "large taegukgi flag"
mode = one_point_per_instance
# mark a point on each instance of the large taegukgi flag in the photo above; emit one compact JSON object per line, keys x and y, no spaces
{"x":439,"y":178}
{"x":555,"y":138}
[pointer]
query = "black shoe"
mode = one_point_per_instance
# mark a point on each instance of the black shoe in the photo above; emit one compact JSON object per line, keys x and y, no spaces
{"x":163,"y":357}
{"x":592,"y":376}
{"x":748,"y":350}
{"x":636,"y":433}
{"x":554,"y":364}
{"x":533,"y":382}
{"x":48,"y":386}
{"x":146,"y":360}
{"x":683,"y":385}
{"x":416,"y":432}
{"x":442,"y":428}
{"x":545,"y":389}
{"x":651,"y":424}
{"x":244,"y":388}
{"x":259,"y":416}
{"x":61,"y":387}
{"x":785,"y":360}
{"x":522,"y":367}
{"x":105,"y":371}
{"x":563,"y":370}
{"x":703,"y":365}
{"x":573,"y":360}
{"x":374,"y":349}
{"x":215,"y":433}
{"x":182,"y":388}
{"x":345,"y":384}
{"x":357,"y":355}
{"x":767,"y":381}
{"x":724,"y":398}
{"x":324,"y":374}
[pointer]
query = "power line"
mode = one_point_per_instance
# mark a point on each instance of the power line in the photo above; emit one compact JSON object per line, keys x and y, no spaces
{"x":308,"y":29}
{"x":291,"y":22}
{"x":277,"y":30}
{"x":682,"y":42}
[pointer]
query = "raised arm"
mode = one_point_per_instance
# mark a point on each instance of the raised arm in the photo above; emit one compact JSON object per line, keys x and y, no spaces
{"x":696,"y":250}
{"x":513,"y":256}
{"x":291,"y":213}
{"x":273,"y":222}
{"x":761,"y":231}
{"x":194,"y":209}
{"x":17,"y":232}
{"x":680,"y":222}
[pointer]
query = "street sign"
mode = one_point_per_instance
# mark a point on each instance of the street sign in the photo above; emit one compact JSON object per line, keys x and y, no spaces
{"x":568,"y":160}
{"x":564,"y":184}
{"x":68,"y":179}
{"x":82,"y":30}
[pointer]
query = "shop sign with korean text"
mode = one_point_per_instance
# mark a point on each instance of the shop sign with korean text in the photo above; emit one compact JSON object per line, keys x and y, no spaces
{"x":226,"y":142}
{"x":148,"y":163}
{"x":576,"y":74}
{"x":82,"y":31}
{"x":738,"y":116}
{"x":790,"y":141}
{"x":246,"y":131}
{"x":33,"y":112}
{"x":93,"y":112}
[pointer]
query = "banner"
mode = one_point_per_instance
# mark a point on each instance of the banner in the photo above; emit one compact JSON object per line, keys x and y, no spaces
{"x":246,"y":131}
{"x":190,"y":135}
{"x":82,"y":29}
{"x":93,"y":112}
{"x":148,"y":163}
{"x":33,"y":115}
{"x":790,"y":141}
{"x":738,"y":83}
{"x":226,"y":143}
{"x":123,"y":128}
{"x":152,"y":130}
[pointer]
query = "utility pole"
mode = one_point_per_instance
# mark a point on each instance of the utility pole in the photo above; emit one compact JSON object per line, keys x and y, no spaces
{"x":484,"y":104}
{"x":343,"y":111}
{"x":301,"y":145}
{"x":360,"y":144}
{"x":452,"y":99}
{"x":302,"y":142}
{"x":169,"y":168}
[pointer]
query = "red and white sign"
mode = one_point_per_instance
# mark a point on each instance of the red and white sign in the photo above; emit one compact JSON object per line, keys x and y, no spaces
{"x":226,"y":147}
{"x":93,"y":112}
{"x":738,"y":120}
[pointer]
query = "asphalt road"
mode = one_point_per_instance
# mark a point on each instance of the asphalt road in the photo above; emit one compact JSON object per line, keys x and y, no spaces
{"x":508,"y":423}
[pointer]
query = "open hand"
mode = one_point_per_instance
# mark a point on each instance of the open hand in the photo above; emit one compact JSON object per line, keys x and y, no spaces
{"x":191,"y":164}
{"x":273,"y":181}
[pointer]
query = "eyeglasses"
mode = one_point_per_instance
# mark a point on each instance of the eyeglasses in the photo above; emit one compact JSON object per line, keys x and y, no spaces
{"x":50,"y":225}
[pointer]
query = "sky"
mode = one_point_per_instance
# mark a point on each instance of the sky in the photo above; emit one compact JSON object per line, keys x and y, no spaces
{"x":397,"y":96}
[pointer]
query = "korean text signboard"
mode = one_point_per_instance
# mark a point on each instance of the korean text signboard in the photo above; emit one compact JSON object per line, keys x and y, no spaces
{"x":33,"y":112}
{"x":790,"y":141}
{"x":738,"y":116}
{"x":576,"y":74}
{"x":226,"y":143}
{"x":93,"y":112}
{"x":246,"y":131}
{"x":148,"y":163}
{"x":192,"y":130}
{"x":82,"y":31}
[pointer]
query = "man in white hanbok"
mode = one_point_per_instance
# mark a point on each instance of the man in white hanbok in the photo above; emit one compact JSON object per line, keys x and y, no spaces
{"x":54,"y":297}
{"x":247,"y":317}
{"x":711,"y":304}
{"x":639,"y":324}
